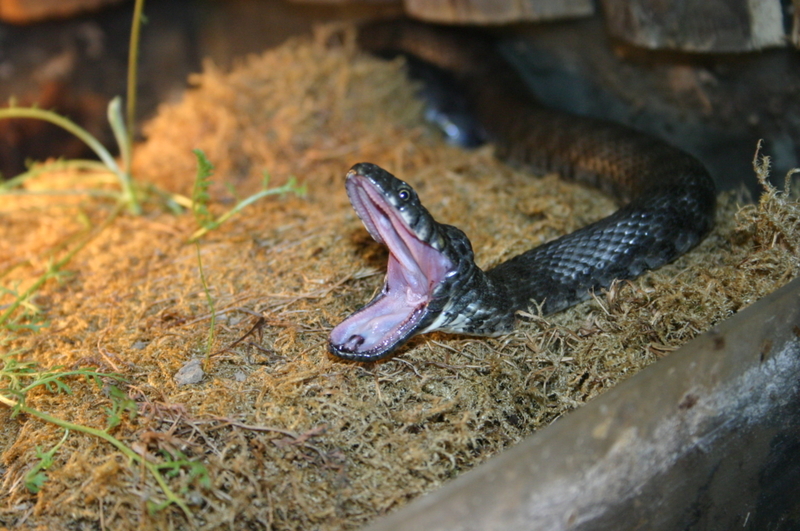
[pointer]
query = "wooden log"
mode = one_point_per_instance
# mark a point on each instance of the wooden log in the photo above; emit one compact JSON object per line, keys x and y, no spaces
{"x":29,"y":11}
{"x":496,"y":11}
{"x":697,"y":25}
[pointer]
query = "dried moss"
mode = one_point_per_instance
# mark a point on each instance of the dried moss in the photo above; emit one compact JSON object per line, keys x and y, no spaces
{"x":291,"y":437}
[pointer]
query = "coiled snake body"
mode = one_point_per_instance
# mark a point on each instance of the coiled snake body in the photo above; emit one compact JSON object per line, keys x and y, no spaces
{"x":432,"y":281}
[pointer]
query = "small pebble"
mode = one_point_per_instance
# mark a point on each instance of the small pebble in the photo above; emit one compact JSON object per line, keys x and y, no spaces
{"x":191,"y":373}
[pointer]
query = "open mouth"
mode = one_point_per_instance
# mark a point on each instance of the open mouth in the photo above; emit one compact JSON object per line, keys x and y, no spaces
{"x":415,"y":269}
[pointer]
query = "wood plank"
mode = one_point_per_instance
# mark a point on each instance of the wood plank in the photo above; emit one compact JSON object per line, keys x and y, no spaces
{"x":496,"y":11}
{"x":697,"y":25}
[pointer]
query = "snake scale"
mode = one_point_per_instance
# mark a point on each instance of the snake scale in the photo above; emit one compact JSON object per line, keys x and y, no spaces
{"x":433,"y":283}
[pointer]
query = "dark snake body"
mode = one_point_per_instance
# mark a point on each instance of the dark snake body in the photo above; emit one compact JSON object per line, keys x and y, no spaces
{"x":668,"y":194}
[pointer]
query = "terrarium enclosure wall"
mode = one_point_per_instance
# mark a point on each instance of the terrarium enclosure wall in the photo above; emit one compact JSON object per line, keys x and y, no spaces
{"x":171,"y":271}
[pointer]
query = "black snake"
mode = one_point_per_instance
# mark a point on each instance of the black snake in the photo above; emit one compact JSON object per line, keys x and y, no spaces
{"x":432,"y":281}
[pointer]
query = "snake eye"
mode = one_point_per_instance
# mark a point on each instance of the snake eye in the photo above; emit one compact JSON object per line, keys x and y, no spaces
{"x":404,"y":194}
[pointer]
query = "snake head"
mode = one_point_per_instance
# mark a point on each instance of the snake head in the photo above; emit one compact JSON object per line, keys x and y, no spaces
{"x":418,"y":266}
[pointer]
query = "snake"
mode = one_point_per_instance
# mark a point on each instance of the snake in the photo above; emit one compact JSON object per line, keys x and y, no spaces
{"x":433,"y":283}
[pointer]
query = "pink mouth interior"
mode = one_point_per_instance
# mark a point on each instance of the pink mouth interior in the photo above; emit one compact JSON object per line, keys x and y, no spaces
{"x":414,"y":269}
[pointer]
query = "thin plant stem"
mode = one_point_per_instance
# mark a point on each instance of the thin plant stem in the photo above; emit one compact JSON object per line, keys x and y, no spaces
{"x":72,"y":127}
{"x":116,"y":443}
{"x":133,"y":60}
{"x":210,"y":301}
{"x":286,"y":188}
{"x":115,"y":116}
{"x":19,"y":406}
{"x":124,"y":142}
